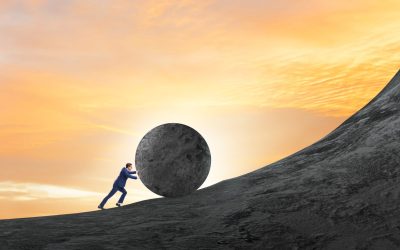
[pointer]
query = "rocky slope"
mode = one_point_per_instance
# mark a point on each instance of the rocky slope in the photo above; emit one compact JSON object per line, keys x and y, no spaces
{"x":342,"y":192}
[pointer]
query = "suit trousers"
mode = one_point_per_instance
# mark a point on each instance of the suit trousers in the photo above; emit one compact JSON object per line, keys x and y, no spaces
{"x":112,"y":192}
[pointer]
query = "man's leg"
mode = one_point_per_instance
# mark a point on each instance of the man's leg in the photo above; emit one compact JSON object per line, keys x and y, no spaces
{"x":112,"y":192}
{"x":121,"y":199}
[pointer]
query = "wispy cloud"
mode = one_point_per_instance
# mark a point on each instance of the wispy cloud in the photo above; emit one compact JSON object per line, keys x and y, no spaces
{"x":36,"y":191}
{"x":116,"y":130}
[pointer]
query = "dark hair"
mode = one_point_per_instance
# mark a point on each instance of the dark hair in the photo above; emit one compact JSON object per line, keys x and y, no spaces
{"x":128,"y":164}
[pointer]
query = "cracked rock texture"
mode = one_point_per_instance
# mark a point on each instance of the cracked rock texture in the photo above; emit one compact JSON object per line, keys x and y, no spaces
{"x":173,"y":160}
{"x":341,"y":192}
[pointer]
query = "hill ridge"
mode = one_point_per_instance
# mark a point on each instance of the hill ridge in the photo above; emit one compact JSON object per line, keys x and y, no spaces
{"x":341,"y":192}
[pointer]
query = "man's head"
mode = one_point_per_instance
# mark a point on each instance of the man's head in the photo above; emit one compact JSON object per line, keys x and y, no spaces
{"x":129,"y":166}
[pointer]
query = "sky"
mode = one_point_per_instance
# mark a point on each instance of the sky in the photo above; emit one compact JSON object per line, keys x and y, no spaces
{"x":81,"y":82}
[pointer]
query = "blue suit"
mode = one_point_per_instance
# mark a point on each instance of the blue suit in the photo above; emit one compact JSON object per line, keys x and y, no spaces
{"x":119,"y":185}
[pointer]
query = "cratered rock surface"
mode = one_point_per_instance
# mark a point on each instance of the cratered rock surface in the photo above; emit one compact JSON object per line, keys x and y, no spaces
{"x":173,"y":160}
{"x":342,"y":192}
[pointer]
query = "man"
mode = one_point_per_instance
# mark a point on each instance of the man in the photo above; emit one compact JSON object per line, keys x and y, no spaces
{"x":119,"y":185}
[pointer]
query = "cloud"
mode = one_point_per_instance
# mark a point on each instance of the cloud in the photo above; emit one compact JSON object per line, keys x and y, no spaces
{"x":35,"y":191}
{"x":335,"y":84}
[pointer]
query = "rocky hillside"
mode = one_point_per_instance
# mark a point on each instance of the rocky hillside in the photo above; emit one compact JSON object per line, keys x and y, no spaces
{"x":342,"y":192}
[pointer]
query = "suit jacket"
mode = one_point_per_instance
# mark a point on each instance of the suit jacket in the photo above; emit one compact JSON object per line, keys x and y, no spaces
{"x":123,"y":176}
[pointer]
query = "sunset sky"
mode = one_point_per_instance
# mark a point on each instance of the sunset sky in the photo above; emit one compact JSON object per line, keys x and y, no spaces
{"x":81,"y":82}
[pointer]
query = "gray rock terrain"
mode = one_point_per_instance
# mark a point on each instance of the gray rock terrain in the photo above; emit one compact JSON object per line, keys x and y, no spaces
{"x":341,"y":192}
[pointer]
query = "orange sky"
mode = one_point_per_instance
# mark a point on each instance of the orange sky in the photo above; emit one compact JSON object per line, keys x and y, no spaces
{"x":82,"y":81}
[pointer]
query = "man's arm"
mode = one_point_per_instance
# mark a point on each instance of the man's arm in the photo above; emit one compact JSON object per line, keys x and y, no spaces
{"x":127,"y":173}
